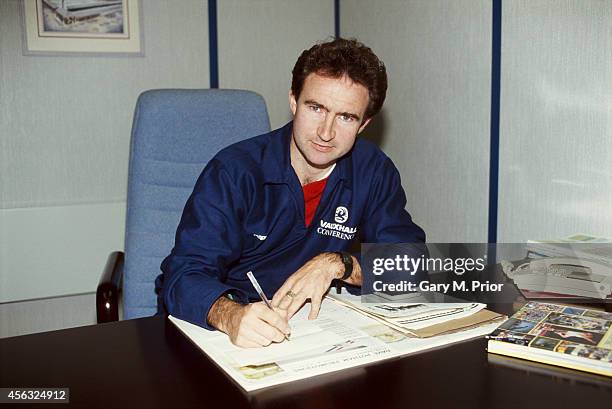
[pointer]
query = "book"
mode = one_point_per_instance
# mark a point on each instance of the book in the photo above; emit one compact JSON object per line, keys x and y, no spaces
{"x":566,"y":336}
{"x":339,"y":338}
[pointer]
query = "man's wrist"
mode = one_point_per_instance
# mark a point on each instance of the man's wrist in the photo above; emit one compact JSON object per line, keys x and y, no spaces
{"x":345,"y":261}
{"x":219,"y":312}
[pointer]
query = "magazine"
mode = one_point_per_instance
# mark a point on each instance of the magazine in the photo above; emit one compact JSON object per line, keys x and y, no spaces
{"x":567,"y":336}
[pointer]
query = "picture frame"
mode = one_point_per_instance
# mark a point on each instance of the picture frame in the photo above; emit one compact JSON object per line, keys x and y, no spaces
{"x":82,"y":27}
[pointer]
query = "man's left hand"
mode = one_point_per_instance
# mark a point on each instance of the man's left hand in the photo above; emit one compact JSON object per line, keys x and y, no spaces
{"x":311,"y":281}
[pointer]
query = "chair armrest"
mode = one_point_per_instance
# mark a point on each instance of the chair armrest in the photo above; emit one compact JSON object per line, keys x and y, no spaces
{"x":109,"y":288}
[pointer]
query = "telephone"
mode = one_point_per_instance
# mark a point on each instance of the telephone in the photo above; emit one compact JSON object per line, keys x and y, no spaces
{"x":563,"y":276}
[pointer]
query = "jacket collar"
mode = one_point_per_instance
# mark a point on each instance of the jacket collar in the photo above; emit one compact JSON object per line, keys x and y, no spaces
{"x":277,"y":160}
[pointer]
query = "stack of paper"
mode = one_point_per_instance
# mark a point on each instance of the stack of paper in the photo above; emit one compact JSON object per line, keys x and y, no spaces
{"x":421,"y":319}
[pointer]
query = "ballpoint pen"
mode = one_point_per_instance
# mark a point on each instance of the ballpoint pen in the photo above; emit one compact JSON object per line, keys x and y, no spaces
{"x":262,"y":295}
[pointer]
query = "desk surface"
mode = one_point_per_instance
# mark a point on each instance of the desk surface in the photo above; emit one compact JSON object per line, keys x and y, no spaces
{"x":148,"y":363}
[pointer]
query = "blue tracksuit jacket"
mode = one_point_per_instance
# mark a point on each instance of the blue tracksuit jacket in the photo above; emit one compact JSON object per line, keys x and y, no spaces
{"x":246,"y":213}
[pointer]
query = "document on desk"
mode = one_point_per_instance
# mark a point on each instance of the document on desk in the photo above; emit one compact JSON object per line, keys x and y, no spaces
{"x":421,"y":319}
{"x":340,"y":338}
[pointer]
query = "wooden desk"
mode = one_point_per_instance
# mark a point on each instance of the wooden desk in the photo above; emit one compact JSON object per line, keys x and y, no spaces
{"x":147,"y":363}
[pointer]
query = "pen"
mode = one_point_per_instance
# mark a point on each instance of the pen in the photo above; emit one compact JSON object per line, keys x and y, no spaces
{"x":257,"y":287}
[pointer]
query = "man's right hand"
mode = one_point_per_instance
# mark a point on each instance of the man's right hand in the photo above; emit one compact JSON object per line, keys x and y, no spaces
{"x":248,"y":326}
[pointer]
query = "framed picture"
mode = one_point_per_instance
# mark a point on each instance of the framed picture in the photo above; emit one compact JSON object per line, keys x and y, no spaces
{"x":85,"y":27}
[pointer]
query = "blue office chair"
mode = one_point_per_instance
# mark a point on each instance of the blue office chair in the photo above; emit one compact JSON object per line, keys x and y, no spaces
{"x":175,"y":133}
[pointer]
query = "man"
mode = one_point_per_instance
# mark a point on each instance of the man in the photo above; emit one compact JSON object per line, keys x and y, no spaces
{"x":287,"y":204}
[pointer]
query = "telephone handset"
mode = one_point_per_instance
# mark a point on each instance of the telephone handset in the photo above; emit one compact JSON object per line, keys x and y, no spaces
{"x":562,"y":275}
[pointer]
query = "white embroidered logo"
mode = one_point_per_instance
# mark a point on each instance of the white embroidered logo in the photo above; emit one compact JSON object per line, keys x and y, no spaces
{"x":260,"y":237}
{"x":341,"y":214}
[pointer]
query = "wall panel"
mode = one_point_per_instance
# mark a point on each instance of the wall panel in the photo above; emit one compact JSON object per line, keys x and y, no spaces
{"x":49,"y":314}
{"x":556,"y":120}
{"x":57,"y":250}
{"x":260,"y":40}
{"x":435,"y":123}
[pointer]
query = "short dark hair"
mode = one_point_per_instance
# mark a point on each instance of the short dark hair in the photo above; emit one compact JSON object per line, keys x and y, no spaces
{"x":340,"y":57}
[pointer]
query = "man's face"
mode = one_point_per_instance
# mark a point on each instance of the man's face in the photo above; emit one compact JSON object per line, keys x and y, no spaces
{"x":327,"y":118}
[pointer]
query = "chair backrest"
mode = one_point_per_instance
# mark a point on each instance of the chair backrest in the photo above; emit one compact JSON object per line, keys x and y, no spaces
{"x":175,"y":133}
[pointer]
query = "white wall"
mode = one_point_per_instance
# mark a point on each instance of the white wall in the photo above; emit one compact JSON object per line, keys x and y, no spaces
{"x":556,"y":119}
{"x":48,"y":314}
{"x":435,"y":123}
{"x":64,"y":136}
{"x":259,"y":42}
